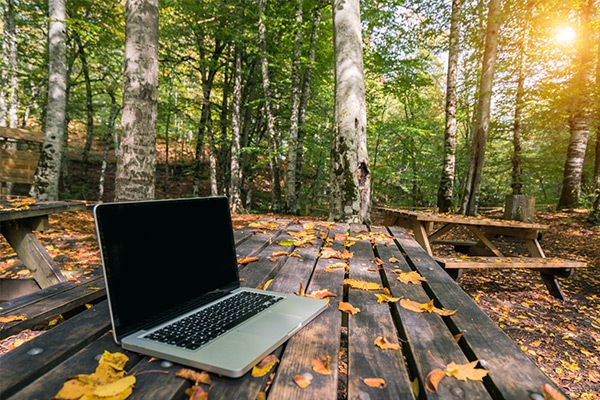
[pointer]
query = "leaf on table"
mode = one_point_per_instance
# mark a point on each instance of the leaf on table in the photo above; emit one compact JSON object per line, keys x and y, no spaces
{"x":263,"y":367}
{"x":247,"y":260}
{"x":362,"y":285}
{"x":394,"y":260}
{"x":303,"y":380}
{"x":424,"y":307}
{"x":433,"y":379}
{"x":266,"y":285}
{"x":301,"y":290}
{"x":309,"y":225}
{"x":73,"y":389}
{"x":286,"y":242}
{"x":117,"y":388}
{"x":340,"y":237}
{"x":12,"y":318}
{"x":263,"y":225}
{"x":348,"y":308}
{"x":375,"y":382}
{"x":551,"y":394}
{"x":331,"y":267}
{"x":196,"y":393}
{"x":383,"y":343}
{"x":22,"y":204}
{"x":328,"y":252}
{"x":294,"y":254}
{"x":386,"y":297}
{"x":194,"y":376}
{"x":321,"y":294}
{"x":279,"y":253}
{"x":462,"y":372}
{"x":410,"y":277}
{"x":320,"y":365}
{"x":378,"y":261}
{"x":115,"y":360}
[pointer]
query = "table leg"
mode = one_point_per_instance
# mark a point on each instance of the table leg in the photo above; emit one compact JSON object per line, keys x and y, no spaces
{"x":483,"y":239}
{"x":35,"y":257}
{"x":552,"y":285}
{"x":420,"y":232}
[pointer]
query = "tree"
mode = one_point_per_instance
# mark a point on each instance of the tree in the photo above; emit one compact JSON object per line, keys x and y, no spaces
{"x":45,"y":186}
{"x":137,"y":154}
{"x":350,"y":188}
{"x":482,"y":119}
{"x":446,"y":189}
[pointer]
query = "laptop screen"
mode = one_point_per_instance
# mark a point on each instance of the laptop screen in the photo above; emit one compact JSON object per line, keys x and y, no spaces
{"x":160,"y":255}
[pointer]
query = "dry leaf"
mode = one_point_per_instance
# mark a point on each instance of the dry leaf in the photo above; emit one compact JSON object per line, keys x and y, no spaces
{"x":410,"y":277}
{"x":378,"y":261}
{"x":340,"y":237}
{"x":302,"y":380}
{"x":375,"y":382}
{"x":348,"y":308}
{"x":393,"y":260}
{"x":115,"y":360}
{"x":362,"y":285}
{"x":263,"y":367}
{"x":321,"y":294}
{"x":383,"y":343}
{"x":196,"y":393}
{"x":386,"y":296}
{"x":194,"y":376}
{"x":266,"y":285}
{"x":329,"y":252}
{"x":424,"y":307}
{"x":115,"y":388}
{"x":279,"y":253}
{"x":331,"y":267}
{"x":247,"y":260}
{"x":263,"y":225}
{"x":433,"y":379}
{"x":551,"y":394}
{"x":11,"y":318}
{"x":320,"y":365}
{"x":73,"y":389}
{"x":463,"y":372}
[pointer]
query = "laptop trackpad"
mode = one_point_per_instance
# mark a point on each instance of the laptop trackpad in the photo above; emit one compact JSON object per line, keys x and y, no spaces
{"x":272,"y":325}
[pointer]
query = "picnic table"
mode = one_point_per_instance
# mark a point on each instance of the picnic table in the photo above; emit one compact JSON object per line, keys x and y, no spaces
{"x":429,"y":228}
{"x":18,"y":221}
{"x":381,"y":350}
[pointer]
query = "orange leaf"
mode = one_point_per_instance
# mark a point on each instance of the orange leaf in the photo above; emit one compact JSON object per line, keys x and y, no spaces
{"x":551,"y":394}
{"x":321,"y":294}
{"x":385,"y":344}
{"x":409,"y":277}
{"x":320,"y":365}
{"x":378,"y":261}
{"x":348,"y":308}
{"x":462,"y":372}
{"x":263,"y":367}
{"x":194,"y":376}
{"x":375,"y":382}
{"x":362,"y":285}
{"x":303,"y":380}
{"x":331,"y":267}
{"x":340,"y":237}
{"x":247,"y":260}
{"x":433,"y":379}
{"x":196,"y":393}
{"x":279,"y":253}
{"x":329,"y":252}
{"x":12,"y":318}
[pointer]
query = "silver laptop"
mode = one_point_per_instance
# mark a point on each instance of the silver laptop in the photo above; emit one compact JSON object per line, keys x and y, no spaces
{"x":174,"y":292}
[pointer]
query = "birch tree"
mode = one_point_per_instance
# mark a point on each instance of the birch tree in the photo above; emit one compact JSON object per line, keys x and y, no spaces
{"x":482,"y":119}
{"x":235,"y":195}
{"x":350,"y":188}
{"x":137,"y":153}
{"x":45,"y":186}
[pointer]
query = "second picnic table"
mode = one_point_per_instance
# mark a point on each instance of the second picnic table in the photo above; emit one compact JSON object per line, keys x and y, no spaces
{"x":381,"y":350}
{"x":485,"y":253}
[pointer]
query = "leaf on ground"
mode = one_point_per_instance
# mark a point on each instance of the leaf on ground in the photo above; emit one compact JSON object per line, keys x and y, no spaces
{"x":375,"y":382}
{"x":410,"y":277}
{"x":462,"y":372}
{"x":196,"y":393}
{"x":362,"y":285}
{"x":320,"y":365}
{"x":424,"y":307}
{"x":331,"y":267}
{"x":321,"y":294}
{"x":383,"y":343}
{"x":247,"y":260}
{"x":433,"y":379}
{"x":551,"y":394}
{"x":348,"y":308}
{"x":386,"y":297}
{"x":263,"y":367}
{"x":303,"y":380}
{"x":194,"y":376}
{"x":12,"y":318}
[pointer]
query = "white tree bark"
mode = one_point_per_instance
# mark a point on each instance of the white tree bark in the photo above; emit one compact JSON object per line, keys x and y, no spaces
{"x":47,"y":176}
{"x":136,"y":166}
{"x":235,"y":197}
{"x":350,"y":189}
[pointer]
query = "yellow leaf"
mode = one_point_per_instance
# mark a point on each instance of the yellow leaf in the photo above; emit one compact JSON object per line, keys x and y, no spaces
{"x":362,"y":285}
{"x":115,"y":360}
{"x":115,"y":388}
{"x":331,"y":267}
{"x":462,"y":372}
{"x":329,"y":252}
{"x":321,"y":294}
{"x":394,"y":260}
{"x":433,"y":379}
{"x":425,"y":307}
{"x":320,"y":365}
{"x":386,"y":297}
{"x":279,"y":253}
{"x":375,"y":382}
{"x":266,"y":286}
{"x":11,"y":318}
{"x":263,"y":367}
{"x":348,"y":308}
{"x":73,"y":389}
{"x":410,"y":277}
{"x":383,"y":343}
{"x":294,"y":254}
{"x":194,"y":376}
{"x":302,"y":381}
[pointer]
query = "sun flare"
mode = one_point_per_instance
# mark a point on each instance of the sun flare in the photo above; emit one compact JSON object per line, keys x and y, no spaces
{"x":565,"y":35}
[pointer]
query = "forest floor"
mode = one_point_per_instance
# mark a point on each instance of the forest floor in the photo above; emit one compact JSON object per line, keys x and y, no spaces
{"x":561,"y":337}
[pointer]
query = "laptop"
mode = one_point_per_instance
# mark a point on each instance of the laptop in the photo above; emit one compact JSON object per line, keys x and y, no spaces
{"x":168,"y":265}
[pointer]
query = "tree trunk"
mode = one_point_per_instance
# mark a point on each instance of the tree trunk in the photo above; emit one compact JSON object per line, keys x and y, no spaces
{"x":446,"y":190}
{"x":89,"y":137}
{"x":517,"y":163}
{"x":291,"y":196}
{"x":110,"y":128}
{"x":270,"y":119}
{"x":235,"y":190}
{"x":580,"y":118}
{"x":482,"y":120}
{"x":519,"y":207}
{"x":136,"y":168}
{"x":47,"y":175}
{"x":594,"y":216}
{"x":350,"y":189}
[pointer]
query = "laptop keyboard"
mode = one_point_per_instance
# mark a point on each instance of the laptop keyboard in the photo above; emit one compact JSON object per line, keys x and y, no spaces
{"x":207,"y":324}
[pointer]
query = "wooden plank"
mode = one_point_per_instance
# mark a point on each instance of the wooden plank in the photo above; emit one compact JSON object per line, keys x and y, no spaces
{"x":512,"y":374}
{"x":35,"y":358}
{"x":483,"y":239}
{"x":21,"y":134}
{"x":365,"y":359}
{"x":473,"y":262}
{"x":421,"y":236}
{"x":40,"y":208}
{"x":425,"y":336}
{"x":440,"y":232}
{"x":18,"y":166}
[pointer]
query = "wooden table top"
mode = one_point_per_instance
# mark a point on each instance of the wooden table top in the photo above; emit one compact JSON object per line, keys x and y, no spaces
{"x":344,"y":261}
{"x":9,"y":211}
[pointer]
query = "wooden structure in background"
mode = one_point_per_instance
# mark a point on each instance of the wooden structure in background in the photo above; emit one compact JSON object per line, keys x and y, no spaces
{"x":19,"y":156}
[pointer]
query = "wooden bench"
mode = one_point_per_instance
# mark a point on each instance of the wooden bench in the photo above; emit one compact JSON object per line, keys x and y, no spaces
{"x":19,"y":156}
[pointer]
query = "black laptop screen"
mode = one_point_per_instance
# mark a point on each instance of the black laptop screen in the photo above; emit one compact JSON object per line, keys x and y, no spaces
{"x":159,"y":255}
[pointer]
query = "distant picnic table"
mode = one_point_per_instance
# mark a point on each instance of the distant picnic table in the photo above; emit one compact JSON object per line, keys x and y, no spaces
{"x":429,"y":228}
{"x":381,"y":347}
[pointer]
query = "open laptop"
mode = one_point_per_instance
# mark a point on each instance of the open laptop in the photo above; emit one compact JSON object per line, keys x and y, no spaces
{"x":169,"y":262}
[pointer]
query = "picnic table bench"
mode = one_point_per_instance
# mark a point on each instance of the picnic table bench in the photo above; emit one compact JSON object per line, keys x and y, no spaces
{"x":416,"y":343}
{"x":17,"y":225}
{"x":483,"y":253}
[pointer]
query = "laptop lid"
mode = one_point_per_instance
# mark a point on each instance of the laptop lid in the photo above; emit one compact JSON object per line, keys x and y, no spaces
{"x":164,"y":257}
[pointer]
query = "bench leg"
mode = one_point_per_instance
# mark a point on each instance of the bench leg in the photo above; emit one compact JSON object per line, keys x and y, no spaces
{"x":552,"y":284}
{"x":455,"y":273}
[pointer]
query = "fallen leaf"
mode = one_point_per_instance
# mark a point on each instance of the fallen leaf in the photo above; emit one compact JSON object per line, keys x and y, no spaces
{"x":433,"y":379}
{"x":196,"y":393}
{"x":194,"y":376}
{"x":462,"y":372}
{"x":424,"y":307}
{"x":375,"y":382}
{"x":266,"y":285}
{"x":386,"y":297}
{"x":383,"y":343}
{"x":348,"y":308}
{"x":279,"y":253}
{"x":114,"y":360}
{"x":340,"y":237}
{"x":362,"y":285}
{"x":321,"y":294}
{"x":247,"y":260}
{"x":115,"y":388}
{"x":331,"y":267}
{"x":263,"y":367}
{"x":410,"y":277}
{"x":12,"y":318}
{"x":329,"y":252}
{"x":302,"y":380}
{"x":320,"y":365}
{"x":394,"y":260}
{"x":73,"y":389}
{"x":551,"y":394}
{"x":378,"y":261}
{"x":286,"y":243}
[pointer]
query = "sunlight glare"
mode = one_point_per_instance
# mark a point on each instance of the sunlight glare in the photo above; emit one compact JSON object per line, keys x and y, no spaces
{"x":565,"y":35}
